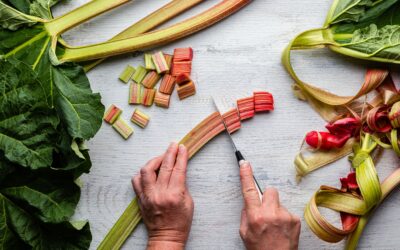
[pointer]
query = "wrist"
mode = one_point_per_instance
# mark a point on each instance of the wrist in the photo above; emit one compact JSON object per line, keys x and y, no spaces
{"x":165,"y":245}
{"x":171,"y":240}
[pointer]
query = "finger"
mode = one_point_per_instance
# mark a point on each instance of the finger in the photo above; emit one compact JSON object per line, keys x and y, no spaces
{"x":178,"y":177}
{"x":249,"y":190}
{"x":148,"y":174}
{"x":243,"y":223}
{"x":271,"y":199}
{"x":243,"y":219}
{"x":137,"y":186}
{"x":167,"y":165}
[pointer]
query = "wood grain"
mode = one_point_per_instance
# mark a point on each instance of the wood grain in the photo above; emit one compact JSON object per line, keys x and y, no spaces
{"x":237,"y":55}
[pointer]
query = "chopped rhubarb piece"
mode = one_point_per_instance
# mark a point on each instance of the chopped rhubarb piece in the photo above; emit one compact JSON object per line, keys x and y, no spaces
{"x":151,"y":79}
{"x":168,"y":58}
{"x":148,"y":96}
{"x":139,"y":75}
{"x":140,"y":118}
{"x":183,"y":78}
{"x":181,"y":68}
{"x":135,"y":93}
{"x":122,"y":127}
{"x":232,"y":120}
{"x":148,"y":62}
{"x":127,"y":74}
{"x":186,"y":90}
{"x":167,"y":84}
{"x":263,"y":101}
{"x":246,"y":108}
{"x":183,"y":54}
{"x":160,"y":63}
{"x":162,"y":100}
{"x":112,"y":114}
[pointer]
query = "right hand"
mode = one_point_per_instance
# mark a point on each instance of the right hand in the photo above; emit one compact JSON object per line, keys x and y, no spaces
{"x":265,"y":224}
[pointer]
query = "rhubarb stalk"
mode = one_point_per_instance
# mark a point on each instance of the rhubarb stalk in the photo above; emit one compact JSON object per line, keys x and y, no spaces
{"x":155,"y":19}
{"x":157,"y":38}
{"x":194,"y":141}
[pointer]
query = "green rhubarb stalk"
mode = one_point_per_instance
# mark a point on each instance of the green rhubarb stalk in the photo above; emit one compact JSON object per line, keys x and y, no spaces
{"x":149,"y":40}
{"x":387,"y":187}
{"x":155,"y":19}
{"x":81,"y":14}
{"x":122,"y":228}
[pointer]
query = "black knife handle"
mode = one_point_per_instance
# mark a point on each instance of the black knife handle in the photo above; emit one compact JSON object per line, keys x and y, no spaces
{"x":239,"y":156}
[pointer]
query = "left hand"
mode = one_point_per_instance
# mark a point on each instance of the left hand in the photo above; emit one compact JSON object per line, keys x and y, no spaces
{"x":165,"y":202}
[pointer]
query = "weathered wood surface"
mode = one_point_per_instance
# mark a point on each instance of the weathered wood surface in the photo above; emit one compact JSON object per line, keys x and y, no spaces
{"x":239,"y":54}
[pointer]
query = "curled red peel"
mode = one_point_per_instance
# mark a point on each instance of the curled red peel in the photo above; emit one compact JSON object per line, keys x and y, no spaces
{"x":325,"y":140}
{"x":347,"y":126}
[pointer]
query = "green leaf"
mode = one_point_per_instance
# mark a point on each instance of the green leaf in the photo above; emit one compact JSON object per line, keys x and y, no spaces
{"x":79,"y":108}
{"x":20,"y":228}
{"x":27,"y":125}
{"x":12,"y":19}
{"x":381,"y":42}
{"x":349,"y":10}
{"x":50,"y":201}
{"x":66,"y":86}
{"x":39,"y":8}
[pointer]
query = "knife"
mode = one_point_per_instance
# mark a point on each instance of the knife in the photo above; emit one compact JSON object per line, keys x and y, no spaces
{"x":239,"y":156}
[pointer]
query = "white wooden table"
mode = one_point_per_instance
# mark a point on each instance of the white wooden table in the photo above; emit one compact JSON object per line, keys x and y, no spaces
{"x":240,"y":54}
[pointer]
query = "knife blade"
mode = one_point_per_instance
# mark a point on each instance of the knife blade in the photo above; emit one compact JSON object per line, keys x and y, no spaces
{"x":238,"y":154}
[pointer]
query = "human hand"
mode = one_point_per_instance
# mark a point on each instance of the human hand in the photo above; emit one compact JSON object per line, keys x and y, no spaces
{"x":165,"y":202}
{"x":265,"y":224}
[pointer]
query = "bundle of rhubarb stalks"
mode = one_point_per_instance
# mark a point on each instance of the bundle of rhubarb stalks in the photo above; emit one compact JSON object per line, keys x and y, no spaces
{"x":361,"y":125}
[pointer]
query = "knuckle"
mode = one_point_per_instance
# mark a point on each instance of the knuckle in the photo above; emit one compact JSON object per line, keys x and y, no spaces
{"x":257,"y":221}
{"x":144,"y":171}
{"x":172,"y":201}
{"x":166,"y":167}
{"x":249,"y":190}
{"x":242,"y":232}
{"x":296,"y":220}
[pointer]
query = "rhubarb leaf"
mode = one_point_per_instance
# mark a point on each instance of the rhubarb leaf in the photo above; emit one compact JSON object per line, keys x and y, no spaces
{"x":28,"y":232}
{"x":357,"y":10}
{"x":66,"y":87}
{"x":39,"y":8}
{"x":376,"y":38}
{"x":13,"y":19}
{"x":27,"y":125}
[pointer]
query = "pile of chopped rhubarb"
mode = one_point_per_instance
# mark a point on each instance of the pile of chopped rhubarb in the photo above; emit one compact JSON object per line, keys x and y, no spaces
{"x":169,"y":70}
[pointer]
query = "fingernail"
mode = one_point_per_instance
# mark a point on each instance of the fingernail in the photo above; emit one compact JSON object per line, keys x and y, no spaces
{"x":244,"y":164}
{"x":181,"y":148}
{"x":172,"y":144}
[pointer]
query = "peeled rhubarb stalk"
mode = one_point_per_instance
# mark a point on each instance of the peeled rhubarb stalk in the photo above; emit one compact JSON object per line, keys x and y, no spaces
{"x":167,"y":84}
{"x":186,"y":90}
{"x":140,"y":118}
{"x":112,"y":114}
{"x":162,"y":100}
